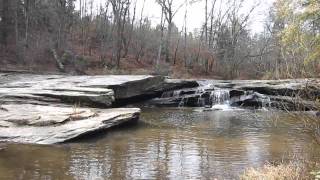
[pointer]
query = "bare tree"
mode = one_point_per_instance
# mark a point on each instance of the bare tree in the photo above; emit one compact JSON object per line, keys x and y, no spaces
{"x":169,"y":13}
{"x":120,"y":9}
{"x":161,"y":40}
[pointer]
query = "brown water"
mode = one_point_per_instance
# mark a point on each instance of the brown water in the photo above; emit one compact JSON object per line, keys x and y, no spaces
{"x":168,"y":144}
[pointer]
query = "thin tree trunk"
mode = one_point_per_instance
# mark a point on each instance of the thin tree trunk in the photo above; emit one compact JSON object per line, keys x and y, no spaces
{"x":16,"y":26}
{"x":4,"y":21}
{"x":185,"y":35}
{"x":176,"y":51}
{"x":206,"y":23}
{"x":161,"y":41}
{"x":26,"y":14}
{"x":168,"y":41}
{"x":126,"y":49}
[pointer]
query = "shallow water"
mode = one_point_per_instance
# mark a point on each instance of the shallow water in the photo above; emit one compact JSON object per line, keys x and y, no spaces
{"x":168,"y":144}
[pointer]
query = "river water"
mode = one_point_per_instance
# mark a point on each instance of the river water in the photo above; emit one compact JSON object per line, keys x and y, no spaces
{"x":168,"y":143}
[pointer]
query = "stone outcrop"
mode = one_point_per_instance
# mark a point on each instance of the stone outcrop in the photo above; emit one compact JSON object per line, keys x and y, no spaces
{"x":50,"y":124}
{"x":291,"y":95}
{"x":48,"y":109}
{"x":88,"y":90}
{"x":287,"y":87}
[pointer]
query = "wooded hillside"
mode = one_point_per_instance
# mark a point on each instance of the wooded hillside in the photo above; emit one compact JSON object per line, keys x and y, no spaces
{"x":116,"y":37}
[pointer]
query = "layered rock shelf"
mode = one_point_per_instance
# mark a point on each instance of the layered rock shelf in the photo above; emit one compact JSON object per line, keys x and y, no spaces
{"x":50,"y":124}
{"x":290,"y":95}
{"x":49,"y":109}
{"x":88,"y":90}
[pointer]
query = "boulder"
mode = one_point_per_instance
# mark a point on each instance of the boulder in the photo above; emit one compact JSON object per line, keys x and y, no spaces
{"x":54,"y":124}
{"x":254,"y":99}
{"x":236,"y":93}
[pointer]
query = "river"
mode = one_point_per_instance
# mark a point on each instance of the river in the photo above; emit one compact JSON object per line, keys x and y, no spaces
{"x":169,"y":143}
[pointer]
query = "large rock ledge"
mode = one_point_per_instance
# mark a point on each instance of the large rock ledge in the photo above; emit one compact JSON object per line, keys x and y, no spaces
{"x":289,"y":95}
{"x":38,"y":108}
{"x":96,"y":91}
{"x":52,"y":124}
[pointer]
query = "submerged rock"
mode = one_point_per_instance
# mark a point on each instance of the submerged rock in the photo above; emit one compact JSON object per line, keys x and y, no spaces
{"x":52,"y":124}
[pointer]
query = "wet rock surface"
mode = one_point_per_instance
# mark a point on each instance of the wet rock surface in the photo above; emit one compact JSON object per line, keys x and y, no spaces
{"x":290,"y":95}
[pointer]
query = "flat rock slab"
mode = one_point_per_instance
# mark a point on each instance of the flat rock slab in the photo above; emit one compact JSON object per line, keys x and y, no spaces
{"x":36,"y":108}
{"x":52,"y":124}
{"x":89,"y":90}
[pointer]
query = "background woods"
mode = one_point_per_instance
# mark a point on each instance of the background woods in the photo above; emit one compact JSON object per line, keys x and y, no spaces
{"x":115,"y":36}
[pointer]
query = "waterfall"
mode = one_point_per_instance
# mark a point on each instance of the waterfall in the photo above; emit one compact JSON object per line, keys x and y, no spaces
{"x":266,"y":102}
{"x":201,"y":102}
{"x":220,"y":96}
{"x":167,"y":94}
{"x":214,"y":97}
{"x":181,"y":104}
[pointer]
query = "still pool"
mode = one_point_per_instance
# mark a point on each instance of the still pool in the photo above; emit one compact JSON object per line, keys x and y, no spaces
{"x":169,"y":143}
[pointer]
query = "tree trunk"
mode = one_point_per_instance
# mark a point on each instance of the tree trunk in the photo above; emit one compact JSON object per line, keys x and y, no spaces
{"x":168,"y":41}
{"x":26,"y":16}
{"x":161,"y":41}
{"x":206,"y":23}
{"x":4,"y":22}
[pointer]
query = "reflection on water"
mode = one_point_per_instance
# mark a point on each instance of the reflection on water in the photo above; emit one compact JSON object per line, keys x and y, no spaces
{"x":167,"y":144}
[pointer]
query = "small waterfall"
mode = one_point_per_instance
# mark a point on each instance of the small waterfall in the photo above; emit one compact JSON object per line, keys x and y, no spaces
{"x":167,"y":94}
{"x":220,"y":96}
{"x":201,"y":102}
{"x":214,"y":97}
{"x":266,"y":102}
{"x":181,"y":104}
{"x":176,"y":93}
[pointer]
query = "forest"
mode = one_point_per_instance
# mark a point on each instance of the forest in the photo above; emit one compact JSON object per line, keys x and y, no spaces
{"x":78,"y":37}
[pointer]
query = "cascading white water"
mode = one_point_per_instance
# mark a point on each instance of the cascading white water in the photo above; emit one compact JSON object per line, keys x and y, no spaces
{"x":266,"y":102}
{"x":220,"y":96}
{"x":201,"y":102}
{"x":216,"y":97}
{"x":166,"y":94}
{"x":181,"y":104}
{"x":220,"y":99}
